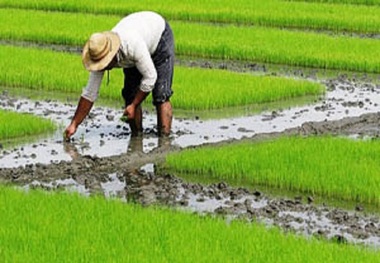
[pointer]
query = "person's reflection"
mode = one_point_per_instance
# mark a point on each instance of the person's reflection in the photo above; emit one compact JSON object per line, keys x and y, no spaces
{"x":71,"y":149}
{"x":136,"y":144}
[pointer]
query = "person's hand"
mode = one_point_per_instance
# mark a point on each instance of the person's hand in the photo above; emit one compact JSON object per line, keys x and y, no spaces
{"x":70,"y":130}
{"x":130,"y":111}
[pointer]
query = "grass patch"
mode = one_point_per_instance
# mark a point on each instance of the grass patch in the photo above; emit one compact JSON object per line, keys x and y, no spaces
{"x":195,"y":89}
{"x":15,"y":125}
{"x":328,"y":166}
{"x":51,"y":227}
{"x":339,"y":17}
{"x":265,"y":45}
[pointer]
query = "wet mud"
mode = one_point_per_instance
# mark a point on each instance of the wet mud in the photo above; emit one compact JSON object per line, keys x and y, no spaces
{"x":103,"y":159}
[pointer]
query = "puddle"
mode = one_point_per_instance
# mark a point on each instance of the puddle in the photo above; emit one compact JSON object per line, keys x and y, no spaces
{"x":67,"y":184}
{"x":114,"y":187}
{"x":320,"y":223}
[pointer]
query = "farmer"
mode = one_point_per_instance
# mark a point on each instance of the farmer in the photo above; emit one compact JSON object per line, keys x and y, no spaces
{"x":142,"y":44}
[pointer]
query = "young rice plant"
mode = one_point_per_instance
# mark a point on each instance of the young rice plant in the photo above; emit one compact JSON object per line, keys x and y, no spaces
{"x":14,"y":125}
{"x":266,"y":45}
{"x":198,"y":89}
{"x":338,"y":17}
{"x":55,"y":227}
{"x":329,"y":166}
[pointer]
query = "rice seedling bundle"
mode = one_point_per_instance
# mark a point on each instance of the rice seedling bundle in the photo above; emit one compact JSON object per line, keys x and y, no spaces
{"x":14,"y":125}
{"x":56,"y":227}
{"x":208,"y":41}
{"x":197,"y":88}
{"x":339,"y":17}
{"x":328,"y":166}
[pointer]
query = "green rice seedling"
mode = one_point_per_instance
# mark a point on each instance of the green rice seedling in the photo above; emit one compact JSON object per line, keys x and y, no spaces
{"x":61,"y":227}
{"x":327,"y":166}
{"x":340,"y":17}
{"x":355,"y":2}
{"x":14,"y":125}
{"x":277,"y":46}
{"x":257,"y":44}
{"x":198,"y":89}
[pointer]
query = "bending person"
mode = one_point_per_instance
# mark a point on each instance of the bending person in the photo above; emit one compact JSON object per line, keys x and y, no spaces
{"x":142,"y":45}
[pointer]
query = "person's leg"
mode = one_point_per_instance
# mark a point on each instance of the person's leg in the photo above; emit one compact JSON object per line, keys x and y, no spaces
{"x":164,"y":118}
{"x":164,"y":62}
{"x":132,"y":78}
{"x":136,"y":124}
{"x":136,"y":144}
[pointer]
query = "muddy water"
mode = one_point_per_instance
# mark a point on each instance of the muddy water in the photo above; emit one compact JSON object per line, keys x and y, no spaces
{"x":102,"y":158}
{"x":297,"y":215}
{"x":103,"y":134}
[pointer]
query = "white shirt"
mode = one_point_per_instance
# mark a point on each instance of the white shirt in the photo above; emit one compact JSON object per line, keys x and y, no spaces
{"x":139,"y":34}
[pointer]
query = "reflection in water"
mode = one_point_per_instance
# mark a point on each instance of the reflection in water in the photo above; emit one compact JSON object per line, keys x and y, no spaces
{"x":147,"y":143}
{"x":71,"y":150}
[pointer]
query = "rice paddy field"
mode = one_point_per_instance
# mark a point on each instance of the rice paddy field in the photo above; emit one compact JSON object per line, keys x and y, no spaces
{"x":273,"y":155}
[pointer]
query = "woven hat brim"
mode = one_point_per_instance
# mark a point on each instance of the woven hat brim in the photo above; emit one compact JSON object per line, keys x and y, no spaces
{"x":101,"y":64}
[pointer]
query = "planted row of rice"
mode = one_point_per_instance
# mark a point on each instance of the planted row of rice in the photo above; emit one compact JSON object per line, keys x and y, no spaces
{"x":49,"y":70}
{"x":355,"y":2}
{"x":61,"y":227}
{"x":269,"y":13}
{"x":325,"y":166}
{"x":278,"y":46}
{"x":19,"y":125}
{"x":258,"y":44}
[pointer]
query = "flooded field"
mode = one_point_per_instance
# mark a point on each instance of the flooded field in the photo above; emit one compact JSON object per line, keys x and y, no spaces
{"x":103,"y":134}
{"x":102,"y":158}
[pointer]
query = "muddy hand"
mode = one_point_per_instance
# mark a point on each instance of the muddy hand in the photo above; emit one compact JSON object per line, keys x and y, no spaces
{"x":130,"y":111}
{"x":70,"y":130}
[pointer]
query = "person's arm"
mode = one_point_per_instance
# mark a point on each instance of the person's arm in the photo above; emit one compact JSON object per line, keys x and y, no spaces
{"x":89,"y":95}
{"x":145,"y":66}
{"x":131,"y":108}
{"x":83,"y":108}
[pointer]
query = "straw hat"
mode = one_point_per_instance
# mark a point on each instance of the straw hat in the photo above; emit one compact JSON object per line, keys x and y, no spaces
{"x":99,"y":50}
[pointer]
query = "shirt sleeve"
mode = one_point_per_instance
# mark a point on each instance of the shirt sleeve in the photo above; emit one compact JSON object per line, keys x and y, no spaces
{"x":144,"y":64}
{"x":91,"y":91}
